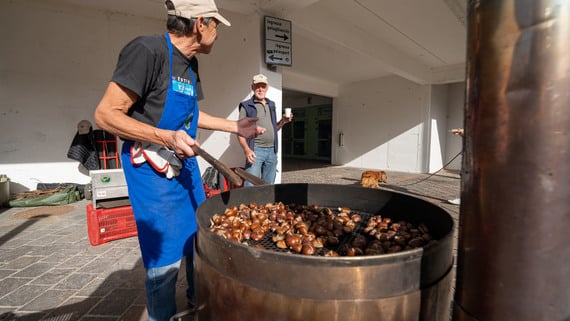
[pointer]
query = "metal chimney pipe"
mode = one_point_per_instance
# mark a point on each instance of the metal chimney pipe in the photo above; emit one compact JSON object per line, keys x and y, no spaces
{"x":514,"y":230}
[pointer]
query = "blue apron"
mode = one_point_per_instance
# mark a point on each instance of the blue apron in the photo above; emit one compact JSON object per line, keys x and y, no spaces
{"x":165,"y":209}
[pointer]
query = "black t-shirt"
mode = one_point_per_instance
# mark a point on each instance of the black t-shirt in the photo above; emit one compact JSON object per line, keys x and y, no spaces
{"x":143,"y":67}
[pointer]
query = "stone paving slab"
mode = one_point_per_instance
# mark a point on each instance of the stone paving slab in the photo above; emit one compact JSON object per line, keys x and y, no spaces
{"x":49,"y":270}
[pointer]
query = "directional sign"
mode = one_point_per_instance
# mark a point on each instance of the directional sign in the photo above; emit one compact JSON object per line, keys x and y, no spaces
{"x":278,"y":49}
{"x":277,"y":53}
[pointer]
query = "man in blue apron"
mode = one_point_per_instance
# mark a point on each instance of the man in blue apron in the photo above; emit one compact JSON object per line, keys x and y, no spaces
{"x":151,"y":102}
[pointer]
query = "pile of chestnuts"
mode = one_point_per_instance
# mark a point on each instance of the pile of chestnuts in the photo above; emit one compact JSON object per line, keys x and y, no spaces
{"x":315,"y":230}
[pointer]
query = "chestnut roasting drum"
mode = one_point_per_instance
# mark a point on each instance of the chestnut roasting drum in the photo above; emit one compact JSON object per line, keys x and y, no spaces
{"x":237,"y":281}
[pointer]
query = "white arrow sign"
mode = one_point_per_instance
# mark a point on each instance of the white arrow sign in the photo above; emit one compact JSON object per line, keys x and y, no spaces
{"x":278,"y":50}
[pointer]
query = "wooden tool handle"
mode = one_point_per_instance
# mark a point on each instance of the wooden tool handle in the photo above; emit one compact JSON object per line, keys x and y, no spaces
{"x":249,"y":177}
{"x":221,"y":167}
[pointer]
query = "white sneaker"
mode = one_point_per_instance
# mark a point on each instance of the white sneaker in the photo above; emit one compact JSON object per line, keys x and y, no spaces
{"x":455,"y":201}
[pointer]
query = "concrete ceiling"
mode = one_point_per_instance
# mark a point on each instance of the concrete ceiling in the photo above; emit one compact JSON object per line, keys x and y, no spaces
{"x":344,"y":41}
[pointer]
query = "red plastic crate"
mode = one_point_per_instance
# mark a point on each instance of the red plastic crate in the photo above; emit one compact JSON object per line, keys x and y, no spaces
{"x":108,"y":224}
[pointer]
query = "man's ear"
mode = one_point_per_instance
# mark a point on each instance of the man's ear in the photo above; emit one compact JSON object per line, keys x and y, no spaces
{"x":199,"y":25}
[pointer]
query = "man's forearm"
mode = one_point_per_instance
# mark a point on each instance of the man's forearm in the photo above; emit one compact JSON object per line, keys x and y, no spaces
{"x":243,"y":143}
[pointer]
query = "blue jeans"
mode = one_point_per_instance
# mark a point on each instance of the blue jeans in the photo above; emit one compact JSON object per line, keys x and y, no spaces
{"x":265,"y":166}
{"x":161,"y":289}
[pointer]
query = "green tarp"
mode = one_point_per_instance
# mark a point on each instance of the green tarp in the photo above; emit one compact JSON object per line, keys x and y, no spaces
{"x":65,"y":195}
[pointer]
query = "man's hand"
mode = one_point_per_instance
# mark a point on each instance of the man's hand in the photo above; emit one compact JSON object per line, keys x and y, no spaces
{"x":284,"y":121}
{"x":181,"y":143}
{"x":249,"y":155}
{"x":248,"y":128}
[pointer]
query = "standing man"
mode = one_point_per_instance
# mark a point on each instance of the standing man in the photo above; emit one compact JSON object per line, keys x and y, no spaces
{"x":151,"y":103}
{"x":261,"y":151}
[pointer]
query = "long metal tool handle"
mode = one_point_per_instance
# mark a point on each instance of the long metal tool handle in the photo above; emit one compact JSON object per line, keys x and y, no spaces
{"x":221,"y":167}
{"x":249,"y":177}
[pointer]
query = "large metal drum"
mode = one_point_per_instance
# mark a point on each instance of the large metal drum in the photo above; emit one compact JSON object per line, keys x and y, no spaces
{"x":238,"y":282}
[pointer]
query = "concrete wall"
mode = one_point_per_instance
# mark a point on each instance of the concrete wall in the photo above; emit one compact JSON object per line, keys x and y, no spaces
{"x":437,"y":127}
{"x":394,"y":124}
{"x":56,"y":63}
{"x":383,"y":124}
{"x":226,"y":73}
{"x":455,"y":119}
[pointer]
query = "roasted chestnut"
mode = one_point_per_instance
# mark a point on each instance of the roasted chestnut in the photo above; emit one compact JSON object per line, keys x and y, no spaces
{"x":312,"y":229}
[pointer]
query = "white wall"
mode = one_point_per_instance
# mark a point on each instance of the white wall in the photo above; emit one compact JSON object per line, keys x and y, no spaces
{"x":383,"y":122}
{"x":455,"y":119}
{"x":53,"y":72}
{"x":227,"y":75}
{"x":438,"y":127}
{"x":394,"y":124}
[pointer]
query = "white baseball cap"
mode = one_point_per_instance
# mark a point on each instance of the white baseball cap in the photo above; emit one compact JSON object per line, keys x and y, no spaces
{"x":191,"y":9}
{"x":257,"y":79}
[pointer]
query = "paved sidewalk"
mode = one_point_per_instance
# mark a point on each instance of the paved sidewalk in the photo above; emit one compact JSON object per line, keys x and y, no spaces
{"x":49,"y":271}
